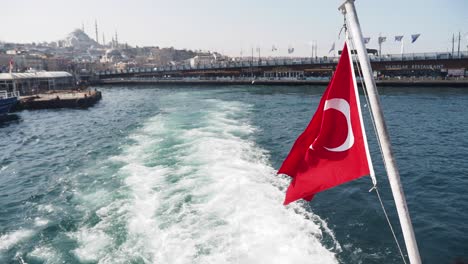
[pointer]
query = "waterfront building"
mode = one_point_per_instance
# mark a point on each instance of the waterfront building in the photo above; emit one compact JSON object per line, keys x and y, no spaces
{"x":112,"y":55}
{"x":202,"y":59}
{"x":35,"y":82}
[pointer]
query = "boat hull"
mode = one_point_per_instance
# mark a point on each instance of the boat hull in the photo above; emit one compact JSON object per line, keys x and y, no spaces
{"x":6,"y":104}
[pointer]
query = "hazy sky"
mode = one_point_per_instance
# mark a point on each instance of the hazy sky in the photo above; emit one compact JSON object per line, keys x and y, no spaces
{"x":232,"y":26}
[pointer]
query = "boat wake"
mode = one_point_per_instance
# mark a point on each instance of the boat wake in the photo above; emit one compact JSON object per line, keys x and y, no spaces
{"x":193,"y":187}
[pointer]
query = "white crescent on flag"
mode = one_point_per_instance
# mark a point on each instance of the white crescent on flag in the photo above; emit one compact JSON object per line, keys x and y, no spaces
{"x":343,"y":106}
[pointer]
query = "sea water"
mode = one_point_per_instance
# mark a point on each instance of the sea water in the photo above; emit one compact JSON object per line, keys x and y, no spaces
{"x":188,"y":175}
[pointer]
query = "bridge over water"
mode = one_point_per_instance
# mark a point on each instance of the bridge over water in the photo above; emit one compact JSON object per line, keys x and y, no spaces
{"x":417,"y":64}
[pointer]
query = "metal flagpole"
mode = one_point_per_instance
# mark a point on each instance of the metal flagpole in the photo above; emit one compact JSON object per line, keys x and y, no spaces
{"x":251,"y":65}
{"x":394,"y":177}
{"x":402,"y":47}
{"x":312,"y":51}
{"x":380,"y":46}
{"x":453,"y":44}
{"x":316,"y":48}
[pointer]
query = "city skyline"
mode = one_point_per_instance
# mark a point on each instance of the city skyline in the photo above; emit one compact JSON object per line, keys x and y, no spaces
{"x":232,"y":28}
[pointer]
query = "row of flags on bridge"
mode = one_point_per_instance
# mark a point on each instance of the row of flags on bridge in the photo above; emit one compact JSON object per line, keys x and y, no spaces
{"x":274,"y":48}
{"x":290,"y":49}
{"x":380,"y":40}
{"x":398,"y":38}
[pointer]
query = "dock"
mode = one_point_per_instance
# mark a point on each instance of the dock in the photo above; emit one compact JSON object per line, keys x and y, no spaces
{"x":59,"y":99}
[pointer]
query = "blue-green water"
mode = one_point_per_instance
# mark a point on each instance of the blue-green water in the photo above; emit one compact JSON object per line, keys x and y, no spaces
{"x":187,"y":175}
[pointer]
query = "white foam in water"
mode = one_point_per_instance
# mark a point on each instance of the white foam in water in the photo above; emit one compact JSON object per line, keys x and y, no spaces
{"x":48,"y":208}
{"x":202,"y":193}
{"x":92,"y":244}
{"x":45,"y":254}
{"x":10,"y":239}
{"x":40,"y":222}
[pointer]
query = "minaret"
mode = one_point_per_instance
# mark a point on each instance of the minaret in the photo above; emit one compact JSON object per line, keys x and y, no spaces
{"x":82,"y":26}
{"x":97,"y":36}
{"x":103,"y":39}
{"x":116,"y":40}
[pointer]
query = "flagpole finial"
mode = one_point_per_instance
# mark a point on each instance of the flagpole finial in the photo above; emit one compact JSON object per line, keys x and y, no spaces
{"x":342,"y":7}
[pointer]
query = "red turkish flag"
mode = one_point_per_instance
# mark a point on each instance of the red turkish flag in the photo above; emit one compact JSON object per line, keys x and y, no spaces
{"x":332,"y":149}
{"x":11,"y":64}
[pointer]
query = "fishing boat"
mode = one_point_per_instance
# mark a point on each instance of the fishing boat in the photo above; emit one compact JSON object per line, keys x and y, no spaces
{"x":7,"y":101}
{"x":8,"y":97}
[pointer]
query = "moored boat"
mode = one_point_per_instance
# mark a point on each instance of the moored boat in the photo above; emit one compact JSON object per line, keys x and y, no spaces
{"x":7,"y":101}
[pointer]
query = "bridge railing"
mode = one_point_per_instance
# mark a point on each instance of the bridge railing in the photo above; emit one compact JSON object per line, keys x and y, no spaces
{"x":284,"y":61}
{"x":420,"y":56}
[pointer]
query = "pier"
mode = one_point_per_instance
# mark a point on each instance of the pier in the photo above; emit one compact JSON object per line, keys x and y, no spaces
{"x":59,"y":99}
